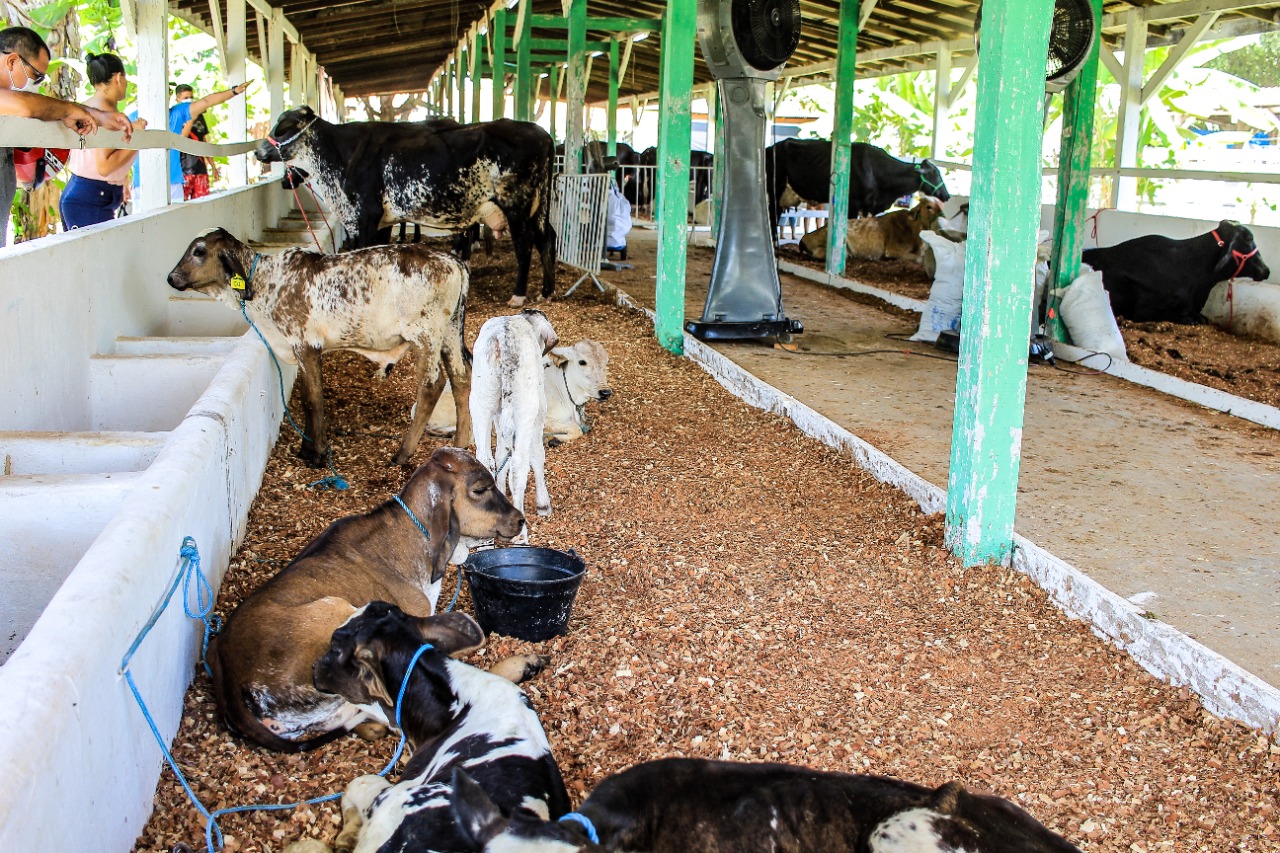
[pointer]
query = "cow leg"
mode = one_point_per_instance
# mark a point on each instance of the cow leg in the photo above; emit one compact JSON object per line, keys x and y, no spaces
{"x":315,"y":444}
{"x":517,"y":469}
{"x":483,"y":409}
{"x":522,"y":242}
{"x":455,"y":365}
{"x":540,"y":492}
{"x":547,"y":255}
{"x":520,"y":668}
{"x":431,"y":381}
{"x":356,"y":802}
{"x":463,"y":241}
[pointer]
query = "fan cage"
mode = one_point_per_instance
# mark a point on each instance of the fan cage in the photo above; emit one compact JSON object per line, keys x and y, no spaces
{"x":1070,"y":38}
{"x":767,"y":32}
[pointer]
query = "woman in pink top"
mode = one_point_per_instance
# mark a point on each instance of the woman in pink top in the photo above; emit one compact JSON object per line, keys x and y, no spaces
{"x":98,"y":175}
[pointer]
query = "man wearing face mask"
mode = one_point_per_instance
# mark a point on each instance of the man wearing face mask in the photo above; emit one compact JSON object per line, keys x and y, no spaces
{"x":24,"y":61}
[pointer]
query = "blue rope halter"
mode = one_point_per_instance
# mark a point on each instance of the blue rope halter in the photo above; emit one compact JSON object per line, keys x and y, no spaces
{"x":404,"y":506}
{"x":583,"y":821}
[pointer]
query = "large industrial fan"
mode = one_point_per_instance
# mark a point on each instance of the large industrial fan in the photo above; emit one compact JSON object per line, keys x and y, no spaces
{"x":745,"y":43}
{"x":1071,"y":37}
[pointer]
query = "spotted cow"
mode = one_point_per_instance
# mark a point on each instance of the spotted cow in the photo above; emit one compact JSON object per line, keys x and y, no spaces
{"x":442,"y":175}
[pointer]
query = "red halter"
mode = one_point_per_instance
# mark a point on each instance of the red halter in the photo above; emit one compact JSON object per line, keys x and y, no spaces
{"x":1241,"y":260}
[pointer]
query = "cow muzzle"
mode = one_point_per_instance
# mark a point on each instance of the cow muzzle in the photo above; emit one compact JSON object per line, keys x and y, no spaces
{"x":177,"y":281}
{"x":267,"y":153}
{"x":604,"y":394}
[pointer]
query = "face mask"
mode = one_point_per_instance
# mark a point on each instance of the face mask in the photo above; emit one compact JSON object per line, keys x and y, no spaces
{"x":31,"y":86}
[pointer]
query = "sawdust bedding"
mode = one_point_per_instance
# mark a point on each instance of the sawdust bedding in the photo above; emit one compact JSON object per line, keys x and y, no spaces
{"x":753,"y":595}
{"x":1248,"y":367}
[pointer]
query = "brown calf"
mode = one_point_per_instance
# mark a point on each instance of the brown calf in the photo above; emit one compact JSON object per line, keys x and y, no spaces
{"x":894,"y":235}
{"x":262,"y":662}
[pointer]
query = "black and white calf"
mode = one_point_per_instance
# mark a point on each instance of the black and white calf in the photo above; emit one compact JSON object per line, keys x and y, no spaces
{"x":454,"y":716}
{"x":680,"y":804}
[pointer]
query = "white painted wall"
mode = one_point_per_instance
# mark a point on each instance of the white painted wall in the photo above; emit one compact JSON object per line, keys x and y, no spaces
{"x":67,"y":297}
{"x":93,"y":521}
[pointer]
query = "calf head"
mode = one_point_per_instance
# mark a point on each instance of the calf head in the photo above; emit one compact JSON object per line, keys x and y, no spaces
{"x":927,"y":212}
{"x":215,"y":260}
{"x":281,"y":142}
{"x":931,"y":180}
{"x":482,"y":823}
{"x":370,"y":653}
{"x":585,"y":366}
{"x":546,"y":332}
{"x":456,"y":496}
{"x":1240,"y":255}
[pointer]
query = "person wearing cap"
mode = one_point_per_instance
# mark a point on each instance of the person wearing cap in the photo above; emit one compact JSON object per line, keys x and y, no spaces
{"x":98,"y":175}
{"x":182,"y":116}
{"x":24,"y":64}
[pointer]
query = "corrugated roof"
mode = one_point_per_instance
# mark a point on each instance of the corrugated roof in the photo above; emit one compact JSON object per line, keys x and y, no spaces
{"x":384,"y":46}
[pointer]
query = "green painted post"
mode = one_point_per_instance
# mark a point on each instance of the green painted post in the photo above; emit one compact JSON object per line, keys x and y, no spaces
{"x":1073,"y":180}
{"x":576,"y":87}
{"x":524,"y":75}
{"x":841,"y":137}
{"x":674,"y":131}
{"x":613,"y":98}
{"x":498,"y":32}
{"x":477,"y":50}
{"x":991,"y":382}
{"x":553,"y":81}
{"x":720,"y":147}
{"x":464,"y":64}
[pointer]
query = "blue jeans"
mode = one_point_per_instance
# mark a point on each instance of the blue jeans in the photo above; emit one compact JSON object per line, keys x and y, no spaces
{"x":87,"y":202}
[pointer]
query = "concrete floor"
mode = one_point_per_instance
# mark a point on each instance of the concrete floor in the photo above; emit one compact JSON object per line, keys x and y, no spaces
{"x":1158,"y":499}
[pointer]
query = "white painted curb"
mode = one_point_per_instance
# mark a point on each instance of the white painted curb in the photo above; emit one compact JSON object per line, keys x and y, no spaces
{"x":1210,"y":398}
{"x":1225,"y":688}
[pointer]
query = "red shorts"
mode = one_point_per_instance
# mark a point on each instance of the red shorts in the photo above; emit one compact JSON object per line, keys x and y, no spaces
{"x":194,"y":186}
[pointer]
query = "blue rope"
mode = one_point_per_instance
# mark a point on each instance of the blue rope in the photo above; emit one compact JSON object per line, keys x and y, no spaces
{"x":334,"y":480}
{"x":191,"y":564}
{"x":457,"y":590}
{"x":584,"y":822}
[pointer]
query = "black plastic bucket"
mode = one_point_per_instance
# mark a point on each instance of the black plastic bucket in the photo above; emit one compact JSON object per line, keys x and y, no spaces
{"x":524,"y":592}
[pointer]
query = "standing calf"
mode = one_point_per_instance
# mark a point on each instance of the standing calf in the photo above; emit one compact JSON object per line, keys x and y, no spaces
{"x":508,"y":397}
{"x":378,"y":302}
{"x":1157,"y":278}
{"x":675,"y":805}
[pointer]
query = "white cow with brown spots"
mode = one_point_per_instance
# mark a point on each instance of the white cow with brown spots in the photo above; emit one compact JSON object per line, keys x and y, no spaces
{"x":378,"y":302}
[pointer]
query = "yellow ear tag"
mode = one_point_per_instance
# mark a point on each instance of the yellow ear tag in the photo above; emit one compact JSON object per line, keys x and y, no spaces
{"x":237,"y":282}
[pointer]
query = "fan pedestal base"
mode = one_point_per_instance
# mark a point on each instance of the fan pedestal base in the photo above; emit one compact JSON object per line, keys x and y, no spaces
{"x":710,"y":330}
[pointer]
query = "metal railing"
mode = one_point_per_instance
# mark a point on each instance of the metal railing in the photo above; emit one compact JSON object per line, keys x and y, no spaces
{"x":579,"y":213}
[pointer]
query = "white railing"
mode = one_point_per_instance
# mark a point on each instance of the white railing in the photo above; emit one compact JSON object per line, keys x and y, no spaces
{"x":579,"y":213}
{"x":639,"y":184}
{"x":32,"y":133}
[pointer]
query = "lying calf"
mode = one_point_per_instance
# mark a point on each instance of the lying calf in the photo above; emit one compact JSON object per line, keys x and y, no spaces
{"x":571,"y":377}
{"x":454,"y":716}
{"x":894,"y":235}
{"x":1156,"y":278}
{"x":681,"y":804}
{"x":262,"y":661}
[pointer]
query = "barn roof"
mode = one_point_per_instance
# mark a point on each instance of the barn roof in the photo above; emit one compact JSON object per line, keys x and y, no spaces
{"x":386,"y":46}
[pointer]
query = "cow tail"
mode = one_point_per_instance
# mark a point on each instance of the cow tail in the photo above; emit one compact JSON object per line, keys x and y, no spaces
{"x":462,"y":329}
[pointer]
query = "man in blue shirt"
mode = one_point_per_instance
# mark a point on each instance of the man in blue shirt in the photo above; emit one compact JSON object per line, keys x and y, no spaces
{"x":181,"y":116}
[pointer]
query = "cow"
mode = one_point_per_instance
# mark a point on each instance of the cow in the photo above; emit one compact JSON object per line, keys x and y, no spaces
{"x":378,"y":302}
{"x":1158,"y":278}
{"x":508,"y":398}
{"x":876,"y":178}
{"x":375,"y":174}
{"x":453,"y":716}
{"x":571,"y":377}
{"x":262,"y":661}
{"x":674,"y":805}
{"x":641,"y":184}
{"x":894,"y":235}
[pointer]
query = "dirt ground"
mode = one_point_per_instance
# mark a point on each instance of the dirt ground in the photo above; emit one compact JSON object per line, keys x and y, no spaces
{"x":753,"y":595}
{"x":1244,"y":366}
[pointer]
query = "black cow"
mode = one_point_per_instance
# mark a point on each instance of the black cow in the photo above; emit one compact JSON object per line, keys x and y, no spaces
{"x":876,"y":178}
{"x":438,"y":173}
{"x":703,"y":163}
{"x":677,"y":804}
{"x":640,"y":190}
{"x":1158,"y":278}
{"x":453,"y":716}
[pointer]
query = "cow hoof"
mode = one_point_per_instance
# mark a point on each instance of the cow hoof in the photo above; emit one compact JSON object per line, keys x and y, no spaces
{"x":545,"y":511}
{"x":370,"y":731}
{"x":401,"y":459}
{"x":312,"y":457}
{"x":516,"y":302}
{"x":555,"y":442}
{"x":520,"y":668}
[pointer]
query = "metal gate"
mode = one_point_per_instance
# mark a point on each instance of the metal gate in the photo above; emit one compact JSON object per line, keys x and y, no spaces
{"x":579,"y":212}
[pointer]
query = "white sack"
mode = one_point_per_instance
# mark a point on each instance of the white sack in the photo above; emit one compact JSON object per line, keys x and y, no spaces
{"x":943,"y":309}
{"x":1086,"y":311}
{"x":618,"y":211}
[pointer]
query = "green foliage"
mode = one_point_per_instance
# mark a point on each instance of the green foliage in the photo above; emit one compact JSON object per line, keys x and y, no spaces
{"x":1259,"y":63}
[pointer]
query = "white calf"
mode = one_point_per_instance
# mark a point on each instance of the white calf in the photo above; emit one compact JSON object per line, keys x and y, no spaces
{"x":573,"y":376}
{"x":507,"y":397}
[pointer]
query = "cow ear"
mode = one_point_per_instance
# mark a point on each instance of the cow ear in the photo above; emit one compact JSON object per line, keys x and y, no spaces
{"x":451,"y":633}
{"x":560,"y":356}
{"x":478,"y":819}
{"x":370,"y":675}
